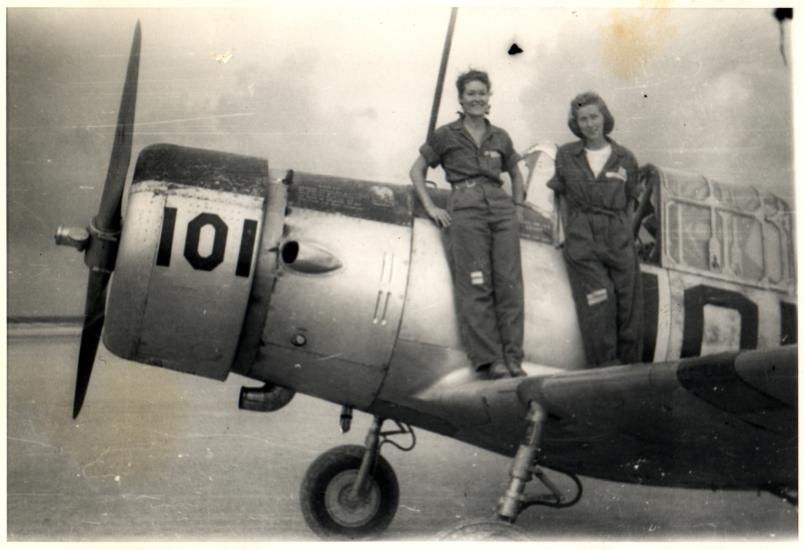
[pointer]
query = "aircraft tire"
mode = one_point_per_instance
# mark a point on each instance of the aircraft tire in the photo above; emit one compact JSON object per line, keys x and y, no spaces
{"x":325,"y":496}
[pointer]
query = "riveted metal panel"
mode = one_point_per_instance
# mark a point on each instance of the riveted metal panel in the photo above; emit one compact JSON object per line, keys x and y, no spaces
{"x":264,"y":277}
{"x":354,"y":198}
{"x":351,"y":313}
{"x":128,"y":293}
{"x":430,"y":309}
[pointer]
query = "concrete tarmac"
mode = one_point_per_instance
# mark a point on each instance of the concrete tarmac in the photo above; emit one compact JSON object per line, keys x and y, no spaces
{"x":161,"y":456}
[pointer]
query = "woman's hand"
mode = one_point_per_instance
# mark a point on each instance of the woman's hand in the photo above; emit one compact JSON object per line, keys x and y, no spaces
{"x":439,"y":216}
{"x":559,"y":220}
{"x":417,"y":174}
{"x":520,"y":211}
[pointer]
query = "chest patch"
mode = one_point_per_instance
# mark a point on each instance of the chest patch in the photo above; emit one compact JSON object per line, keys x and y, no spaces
{"x":620,"y":174}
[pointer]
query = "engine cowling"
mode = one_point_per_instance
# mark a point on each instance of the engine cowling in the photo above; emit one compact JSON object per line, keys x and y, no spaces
{"x":195,"y":234}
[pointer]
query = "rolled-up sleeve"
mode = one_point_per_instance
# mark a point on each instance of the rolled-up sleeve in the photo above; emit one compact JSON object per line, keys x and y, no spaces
{"x":433,"y":150}
{"x":510,"y":156}
{"x":433,"y":159}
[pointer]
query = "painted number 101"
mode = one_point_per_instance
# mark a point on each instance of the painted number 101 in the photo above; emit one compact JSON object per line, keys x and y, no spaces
{"x":220,"y":232}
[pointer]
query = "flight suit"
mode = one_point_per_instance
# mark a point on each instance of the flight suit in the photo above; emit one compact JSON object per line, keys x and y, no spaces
{"x":599,"y":249}
{"x":483,"y":241}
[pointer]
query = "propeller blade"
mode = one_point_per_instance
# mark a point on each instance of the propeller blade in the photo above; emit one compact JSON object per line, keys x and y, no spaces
{"x":105,"y":228}
{"x":108,"y":218}
{"x":94,"y":312}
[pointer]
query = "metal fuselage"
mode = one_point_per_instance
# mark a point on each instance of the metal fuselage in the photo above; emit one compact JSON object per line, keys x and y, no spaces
{"x":341,"y":289}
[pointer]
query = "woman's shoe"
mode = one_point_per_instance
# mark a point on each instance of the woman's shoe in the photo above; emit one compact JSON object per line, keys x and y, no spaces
{"x":498,"y":370}
{"x":515,"y":370}
{"x":483,"y":372}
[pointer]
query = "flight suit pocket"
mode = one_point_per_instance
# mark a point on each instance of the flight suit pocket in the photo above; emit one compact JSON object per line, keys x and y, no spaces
{"x":577,"y":227}
{"x":463,"y":197}
{"x":578,"y":243}
{"x":620,"y":233}
{"x":501,"y":200}
{"x":613,"y":194}
{"x":495,"y":161}
{"x":491,"y":162}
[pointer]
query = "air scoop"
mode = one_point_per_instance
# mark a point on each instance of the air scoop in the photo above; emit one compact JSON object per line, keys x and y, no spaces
{"x":311,"y":258}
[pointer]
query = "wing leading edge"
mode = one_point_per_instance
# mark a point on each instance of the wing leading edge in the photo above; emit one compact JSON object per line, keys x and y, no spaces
{"x":722,"y":421}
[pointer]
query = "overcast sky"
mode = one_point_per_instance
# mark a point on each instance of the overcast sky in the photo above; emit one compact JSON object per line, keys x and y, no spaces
{"x":347,"y":91}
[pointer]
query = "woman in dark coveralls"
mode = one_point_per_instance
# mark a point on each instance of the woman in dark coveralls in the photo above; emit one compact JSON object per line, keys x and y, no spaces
{"x":483,"y":228}
{"x":596,"y":185}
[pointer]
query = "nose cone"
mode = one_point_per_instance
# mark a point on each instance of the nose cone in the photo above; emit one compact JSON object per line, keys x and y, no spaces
{"x":77,"y":237}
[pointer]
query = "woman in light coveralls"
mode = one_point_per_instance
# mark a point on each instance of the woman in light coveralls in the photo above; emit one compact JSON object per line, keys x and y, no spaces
{"x":483,"y":228}
{"x":596,"y":184}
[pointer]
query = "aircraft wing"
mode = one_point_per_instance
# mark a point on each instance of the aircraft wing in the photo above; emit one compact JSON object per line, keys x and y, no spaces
{"x":720,"y":421}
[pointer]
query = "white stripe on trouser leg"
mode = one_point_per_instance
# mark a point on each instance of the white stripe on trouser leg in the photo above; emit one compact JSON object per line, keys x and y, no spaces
{"x":597,"y":297}
{"x":477,"y":277}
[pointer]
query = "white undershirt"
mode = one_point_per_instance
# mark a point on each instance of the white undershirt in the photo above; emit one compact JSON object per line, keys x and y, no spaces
{"x":597,"y":159}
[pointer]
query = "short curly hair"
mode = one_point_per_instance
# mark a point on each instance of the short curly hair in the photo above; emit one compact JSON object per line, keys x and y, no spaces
{"x":469,"y":76}
{"x":582,"y":100}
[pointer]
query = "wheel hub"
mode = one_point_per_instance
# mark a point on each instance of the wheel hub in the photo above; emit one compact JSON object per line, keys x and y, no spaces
{"x":344,"y":507}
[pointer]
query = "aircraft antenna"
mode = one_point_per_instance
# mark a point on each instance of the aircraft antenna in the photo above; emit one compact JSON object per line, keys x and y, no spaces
{"x":441,"y":72}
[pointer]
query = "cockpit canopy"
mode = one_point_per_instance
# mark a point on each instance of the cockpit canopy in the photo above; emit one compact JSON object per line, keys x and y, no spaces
{"x":729,"y":231}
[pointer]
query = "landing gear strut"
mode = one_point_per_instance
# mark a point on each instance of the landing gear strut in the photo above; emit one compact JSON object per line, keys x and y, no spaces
{"x":351,"y":492}
{"x":514,"y":501}
{"x":525,"y":468}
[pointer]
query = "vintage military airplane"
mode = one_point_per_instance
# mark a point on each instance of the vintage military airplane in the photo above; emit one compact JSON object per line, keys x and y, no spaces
{"x":340,"y":289}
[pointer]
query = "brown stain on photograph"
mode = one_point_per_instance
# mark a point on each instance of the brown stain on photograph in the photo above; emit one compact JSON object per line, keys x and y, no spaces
{"x":629,"y":38}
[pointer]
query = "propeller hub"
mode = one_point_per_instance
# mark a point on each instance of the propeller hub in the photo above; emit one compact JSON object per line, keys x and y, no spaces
{"x":102,"y":250}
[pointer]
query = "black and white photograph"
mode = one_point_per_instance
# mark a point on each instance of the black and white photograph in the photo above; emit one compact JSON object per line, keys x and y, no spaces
{"x":298,"y":272}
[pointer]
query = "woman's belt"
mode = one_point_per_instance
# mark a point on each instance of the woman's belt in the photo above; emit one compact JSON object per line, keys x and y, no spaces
{"x":590,"y":209}
{"x":471,"y":182}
